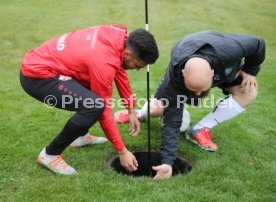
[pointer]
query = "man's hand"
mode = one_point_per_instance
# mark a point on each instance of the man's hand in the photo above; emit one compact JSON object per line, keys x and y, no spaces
{"x":128,"y":160}
{"x":163,"y":171}
{"x":248,"y":82}
{"x":134,"y":122}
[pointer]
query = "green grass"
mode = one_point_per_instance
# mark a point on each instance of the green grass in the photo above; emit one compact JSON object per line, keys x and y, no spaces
{"x":244,"y":167}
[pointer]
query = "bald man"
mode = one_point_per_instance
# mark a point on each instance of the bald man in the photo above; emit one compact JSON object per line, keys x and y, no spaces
{"x":200,"y":61}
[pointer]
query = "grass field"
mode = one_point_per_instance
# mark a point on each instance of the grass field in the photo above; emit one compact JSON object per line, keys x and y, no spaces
{"x":244,"y":167}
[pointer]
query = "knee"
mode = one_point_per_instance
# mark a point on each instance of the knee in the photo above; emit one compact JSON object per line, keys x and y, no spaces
{"x":156,"y":108}
{"x":156,"y":112}
{"x":245,"y":99}
{"x":251,"y":96}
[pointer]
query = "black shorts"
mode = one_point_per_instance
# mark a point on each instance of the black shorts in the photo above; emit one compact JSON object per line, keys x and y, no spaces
{"x":235,"y":82}
{"x":65,"y":93}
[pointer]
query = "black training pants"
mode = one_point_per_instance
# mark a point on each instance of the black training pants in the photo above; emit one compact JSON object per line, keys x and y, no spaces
{"x":65,"y":93}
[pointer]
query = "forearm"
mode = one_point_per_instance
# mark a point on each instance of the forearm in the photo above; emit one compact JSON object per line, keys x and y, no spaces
{"x":111,"y":130}
{"x":131,"y":111}
{"x":170,"y":134}
{"x":254,"y":56}
{"x":124,"y":89}
{"x":169,"y":145}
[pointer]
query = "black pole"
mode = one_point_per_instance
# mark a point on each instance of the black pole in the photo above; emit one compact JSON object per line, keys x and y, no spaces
{"x":146,"y":10}
{"x":148,"y":93}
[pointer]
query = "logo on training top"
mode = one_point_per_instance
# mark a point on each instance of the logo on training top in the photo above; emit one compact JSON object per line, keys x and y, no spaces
{"x":94,"y":39}
{"x":227,"y":71}
{"x":64,"y":78}
{"x":216,"y":77}
{"x":61,"y":42}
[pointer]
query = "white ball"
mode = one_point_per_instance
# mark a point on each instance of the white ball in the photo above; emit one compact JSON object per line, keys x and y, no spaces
{"x":185,"y":120}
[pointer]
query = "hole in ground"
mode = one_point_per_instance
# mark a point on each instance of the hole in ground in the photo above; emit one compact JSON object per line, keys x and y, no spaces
{"x":181,"y":166}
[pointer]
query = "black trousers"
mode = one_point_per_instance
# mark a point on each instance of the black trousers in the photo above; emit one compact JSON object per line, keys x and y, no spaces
{"x":66,"y":93}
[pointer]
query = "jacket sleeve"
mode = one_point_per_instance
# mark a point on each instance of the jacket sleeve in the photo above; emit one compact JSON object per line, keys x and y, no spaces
{"x":172,"y":120}
{"x":103,"y":88}
{"x":253,"y":48}
{"x":124,"y":89}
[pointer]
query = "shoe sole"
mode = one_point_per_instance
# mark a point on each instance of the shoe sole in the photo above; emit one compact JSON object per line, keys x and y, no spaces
{"x":115,"y":115}
{"x":86,"y":145}
{"x":195,"y":142}
{"x":47,"y":168}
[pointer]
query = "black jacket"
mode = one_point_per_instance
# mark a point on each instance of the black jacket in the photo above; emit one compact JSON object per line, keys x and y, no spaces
{"x":226,"y":53}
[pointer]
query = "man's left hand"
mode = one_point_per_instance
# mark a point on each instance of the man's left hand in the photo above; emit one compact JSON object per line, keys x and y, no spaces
{"x":248,"y":82}
{"x":134,"y":122}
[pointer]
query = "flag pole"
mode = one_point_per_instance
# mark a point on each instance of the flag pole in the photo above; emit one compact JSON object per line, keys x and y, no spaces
{"x":148,"y":93}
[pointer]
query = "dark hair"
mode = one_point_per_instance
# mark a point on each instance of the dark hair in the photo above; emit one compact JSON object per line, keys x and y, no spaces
{"x":143,"y":45}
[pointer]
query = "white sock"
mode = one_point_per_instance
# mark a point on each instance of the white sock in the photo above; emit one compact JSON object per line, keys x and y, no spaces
{"x":225,"y":110}
{"x":80,"y":139}
{"x":143,"y":113}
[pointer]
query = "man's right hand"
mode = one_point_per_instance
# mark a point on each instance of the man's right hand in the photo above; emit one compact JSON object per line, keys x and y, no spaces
{"x":134,"y":123}
{"x":128,"y":160}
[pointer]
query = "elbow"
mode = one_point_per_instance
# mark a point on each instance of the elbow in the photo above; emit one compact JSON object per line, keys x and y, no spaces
{"x":261,"y":44}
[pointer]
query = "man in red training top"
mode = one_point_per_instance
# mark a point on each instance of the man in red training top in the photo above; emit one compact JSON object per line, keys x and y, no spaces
{"x":75,"y":72}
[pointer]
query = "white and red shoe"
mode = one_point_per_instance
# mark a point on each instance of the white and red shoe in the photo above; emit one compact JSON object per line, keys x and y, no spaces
{"x":202,"y":137}
{"x":87,"y":140}
{"x":122,"y":116}
{"x":55,"y":163}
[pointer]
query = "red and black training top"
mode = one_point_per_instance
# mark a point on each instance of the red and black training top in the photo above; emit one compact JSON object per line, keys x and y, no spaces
{"x":94,"y":57}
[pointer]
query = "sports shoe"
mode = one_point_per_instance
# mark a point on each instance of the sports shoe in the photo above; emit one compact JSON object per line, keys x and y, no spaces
{"x":55,"y":163}
{"x":202,"y":137}
{"x":87,"y":140}
{"x":122,"y":116}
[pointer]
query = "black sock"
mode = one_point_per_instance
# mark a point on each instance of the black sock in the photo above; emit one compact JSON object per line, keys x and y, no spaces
{"x":70,"y":132}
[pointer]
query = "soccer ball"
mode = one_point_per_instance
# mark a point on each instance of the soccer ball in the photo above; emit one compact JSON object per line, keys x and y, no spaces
{"x":185,"y":120}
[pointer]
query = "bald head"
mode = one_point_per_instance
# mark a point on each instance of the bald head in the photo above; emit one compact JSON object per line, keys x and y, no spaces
{"x":198,"y":75}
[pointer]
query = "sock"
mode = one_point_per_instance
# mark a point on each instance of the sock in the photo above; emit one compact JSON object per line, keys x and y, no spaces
{"x":81,"y":139}
{"x":143,"y":113}
{"x":227,"y":109}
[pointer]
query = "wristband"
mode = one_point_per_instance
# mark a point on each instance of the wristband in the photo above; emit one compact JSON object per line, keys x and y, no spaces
{"x":122,"y":152}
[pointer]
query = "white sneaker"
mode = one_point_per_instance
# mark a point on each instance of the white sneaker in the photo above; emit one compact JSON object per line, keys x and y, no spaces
{"x":55,"y":163}
{"x":87,"y":140}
